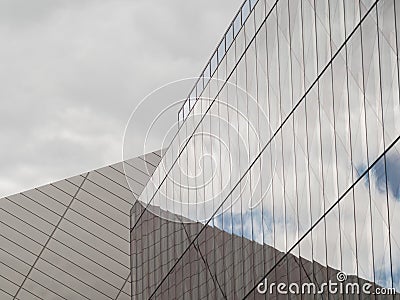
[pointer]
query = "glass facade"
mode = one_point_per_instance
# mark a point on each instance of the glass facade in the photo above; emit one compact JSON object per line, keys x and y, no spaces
{"x":286,"y":163}
{"x":283,"y":180}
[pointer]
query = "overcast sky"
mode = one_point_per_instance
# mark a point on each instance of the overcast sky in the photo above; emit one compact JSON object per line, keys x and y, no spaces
{"x":72,"y":71}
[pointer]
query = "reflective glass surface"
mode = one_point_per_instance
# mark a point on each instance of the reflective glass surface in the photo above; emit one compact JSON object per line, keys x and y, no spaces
{"x":293,"y":158}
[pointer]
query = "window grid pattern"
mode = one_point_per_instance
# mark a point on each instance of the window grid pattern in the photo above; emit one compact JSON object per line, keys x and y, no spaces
{"x":216,"y":59}
{"x":326,"y":75}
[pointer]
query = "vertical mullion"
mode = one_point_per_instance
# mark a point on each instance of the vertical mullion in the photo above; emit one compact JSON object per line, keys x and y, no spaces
{"x":379,"y":34}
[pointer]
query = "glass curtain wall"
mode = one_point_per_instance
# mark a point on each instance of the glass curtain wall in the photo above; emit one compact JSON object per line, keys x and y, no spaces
{"x":292,"y":144}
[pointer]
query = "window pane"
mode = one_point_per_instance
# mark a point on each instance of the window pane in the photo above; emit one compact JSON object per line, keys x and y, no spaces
{"x":213,"y":63}
{"x":245,"y":10}
{"x":229,"y":37}
{"x":221,"y":50}
{"x":237,"y":24}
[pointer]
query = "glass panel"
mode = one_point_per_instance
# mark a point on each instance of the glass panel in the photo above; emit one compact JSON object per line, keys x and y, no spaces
{"x":347,"y":252}
{"x":221,"y":50}
{"x":356,"y":105}
{"x":290,"y":193}
{"x":251,"y":111}
{"x":250,"y":30}
{"x":279,"y":200}
{"x":273,"y":79}
{"x":352,"y":14}
{"x":341,"y":112}
{"x":253,"y":3}
{"x":207,"y":73}
{"x":362,"y":199}
{"x":285,"y":89}
{"x":323,"y":33}
{"x":393,"y":186}
{"x":333,"y":238}
{"x":186,"y":108}
{"x":237,"y":24}
{"x":262,"y":84}
{"x":320,"y":272}
{"x":192,"y":100}
{"x":214,"y":87}
{"x":365,"y":5}
{"x":259,"y":14}
{"x":309,"y":40}
{"x":389,"y":70}
{"x":337,"y":24}
{"x":245,"y":10}
{"x":317,"y":205}
{"x":213,"y":63}
{"x":380,"y":225}
{"x":373,"y":105}
{"x":229,"y":37}
{"x":181,"y":116}
{"x":296,"y":52}
{"x":199,"y":87}
{"x":231,"y":59}
{"x":240,"y":45}
{"x":221,"y":78}
{"x":303,"y":193}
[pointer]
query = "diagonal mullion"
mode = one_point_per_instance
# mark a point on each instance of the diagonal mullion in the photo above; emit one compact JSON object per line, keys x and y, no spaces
{"x":51,"y":235}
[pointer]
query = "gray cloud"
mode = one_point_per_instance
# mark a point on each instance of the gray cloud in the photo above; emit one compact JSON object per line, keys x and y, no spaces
{"x":72,"y":72}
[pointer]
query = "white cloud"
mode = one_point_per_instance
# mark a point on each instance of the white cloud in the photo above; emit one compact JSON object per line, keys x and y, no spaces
{"x":72,"y":71}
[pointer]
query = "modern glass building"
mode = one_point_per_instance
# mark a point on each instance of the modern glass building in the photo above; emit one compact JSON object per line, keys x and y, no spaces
{"x":282,"y":181}
{"x":212,"y":267}
{"x":286,"y":165}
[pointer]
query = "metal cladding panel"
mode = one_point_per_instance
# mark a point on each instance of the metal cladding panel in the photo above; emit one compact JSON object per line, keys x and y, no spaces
{"x":70,"y":239}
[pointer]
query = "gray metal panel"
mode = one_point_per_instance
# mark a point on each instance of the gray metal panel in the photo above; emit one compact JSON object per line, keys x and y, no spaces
{"x":70,"y":239}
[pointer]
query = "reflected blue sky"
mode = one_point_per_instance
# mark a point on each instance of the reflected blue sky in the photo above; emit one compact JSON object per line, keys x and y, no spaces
{"x":393,"y":173}
{"x":378,"y":174}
